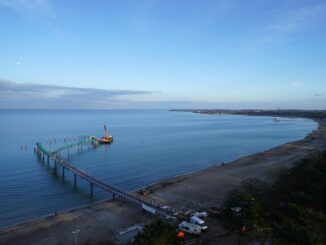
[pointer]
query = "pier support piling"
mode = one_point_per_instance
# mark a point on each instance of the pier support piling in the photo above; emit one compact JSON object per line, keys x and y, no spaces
{"x":75,"y":181}
{"x":91,"y":194}
{"x":55,"y":166}
{"x":63,"y":172}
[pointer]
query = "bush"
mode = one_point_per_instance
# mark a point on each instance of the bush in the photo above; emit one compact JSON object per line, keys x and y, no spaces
{"x":157,"y":233}
{"x":243,"y":210}
{"x":292,"y":211}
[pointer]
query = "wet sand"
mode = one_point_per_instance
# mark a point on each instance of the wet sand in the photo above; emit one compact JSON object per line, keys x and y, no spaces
{"x":107,"y":220}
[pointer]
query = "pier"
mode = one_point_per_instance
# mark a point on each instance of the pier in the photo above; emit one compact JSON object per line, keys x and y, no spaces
{"x":147,"y":204}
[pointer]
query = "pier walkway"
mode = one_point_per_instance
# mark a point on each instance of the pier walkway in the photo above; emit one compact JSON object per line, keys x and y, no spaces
{"x":147,"y":204}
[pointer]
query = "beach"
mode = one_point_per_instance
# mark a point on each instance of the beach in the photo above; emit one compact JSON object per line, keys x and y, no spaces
{"x":208,"y":187}
{"x":110,"y":220}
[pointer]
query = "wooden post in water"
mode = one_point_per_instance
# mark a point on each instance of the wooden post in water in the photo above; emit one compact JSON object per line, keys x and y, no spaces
{"x":55,"y":166}
{"x":48,"y":160}
{"x":43,"y":157}
{"x":75,"y":181}
{"x":91,"y":194}
{"x":63,"y":172}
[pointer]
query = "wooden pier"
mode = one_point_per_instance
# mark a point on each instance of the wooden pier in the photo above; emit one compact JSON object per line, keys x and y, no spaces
{"x":145,"y":203}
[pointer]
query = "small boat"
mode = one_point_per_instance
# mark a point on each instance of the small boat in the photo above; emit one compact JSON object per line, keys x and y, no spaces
{"x":107,"y":139}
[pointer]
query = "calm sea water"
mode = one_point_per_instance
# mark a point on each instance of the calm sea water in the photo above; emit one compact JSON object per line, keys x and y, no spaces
{"x":149,"y":145}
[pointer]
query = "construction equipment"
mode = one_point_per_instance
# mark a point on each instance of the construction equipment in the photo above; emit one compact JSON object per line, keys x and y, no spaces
{"x":107,"y":139}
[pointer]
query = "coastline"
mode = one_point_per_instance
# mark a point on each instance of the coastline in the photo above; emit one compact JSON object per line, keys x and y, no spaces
{"x":196,"y":190}
{"x":264,"y":165}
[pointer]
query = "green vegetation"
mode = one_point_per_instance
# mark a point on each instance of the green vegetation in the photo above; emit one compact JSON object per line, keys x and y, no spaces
{"x":292,"y":211}
{"x":157,"y":233}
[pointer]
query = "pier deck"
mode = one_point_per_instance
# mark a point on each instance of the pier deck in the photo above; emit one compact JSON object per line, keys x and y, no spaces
{"x":146,"y":203}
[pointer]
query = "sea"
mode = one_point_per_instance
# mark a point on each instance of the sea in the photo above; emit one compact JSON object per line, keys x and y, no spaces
{"x":149,"y":146}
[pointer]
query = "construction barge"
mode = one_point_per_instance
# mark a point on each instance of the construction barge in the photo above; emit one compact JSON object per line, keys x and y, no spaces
{"x":106,"y":139}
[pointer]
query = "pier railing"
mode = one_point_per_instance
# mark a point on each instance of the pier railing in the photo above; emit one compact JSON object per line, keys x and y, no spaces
{"x":146,"y":203}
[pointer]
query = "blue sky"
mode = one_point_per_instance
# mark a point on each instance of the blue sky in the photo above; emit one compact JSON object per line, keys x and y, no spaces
{"x":163,"y":54}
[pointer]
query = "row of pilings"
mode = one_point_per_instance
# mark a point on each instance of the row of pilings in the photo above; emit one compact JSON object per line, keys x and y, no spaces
{"x":46,"y":156}
{"x":114,"y":190}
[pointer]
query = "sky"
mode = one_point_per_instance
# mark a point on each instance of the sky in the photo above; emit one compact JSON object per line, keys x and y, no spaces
{"x":102,"y":54}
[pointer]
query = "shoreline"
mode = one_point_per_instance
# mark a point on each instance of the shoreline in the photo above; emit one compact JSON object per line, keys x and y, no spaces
{"x":148,"y":186}
{"x":282,"y":151}
{"x":196,"y":190}
{"x":157,"y":184}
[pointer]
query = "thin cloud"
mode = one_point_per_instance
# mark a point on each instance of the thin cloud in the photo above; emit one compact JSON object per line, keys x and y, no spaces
{"x":296,"y":84}
{"x":30,"y":7}
{"x":295,"y":20}
{"x":290,"y":22}
{"x":13,"y":95}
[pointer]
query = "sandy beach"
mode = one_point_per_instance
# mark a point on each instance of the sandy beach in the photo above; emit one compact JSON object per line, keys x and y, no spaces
{"x":110,"y":220}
